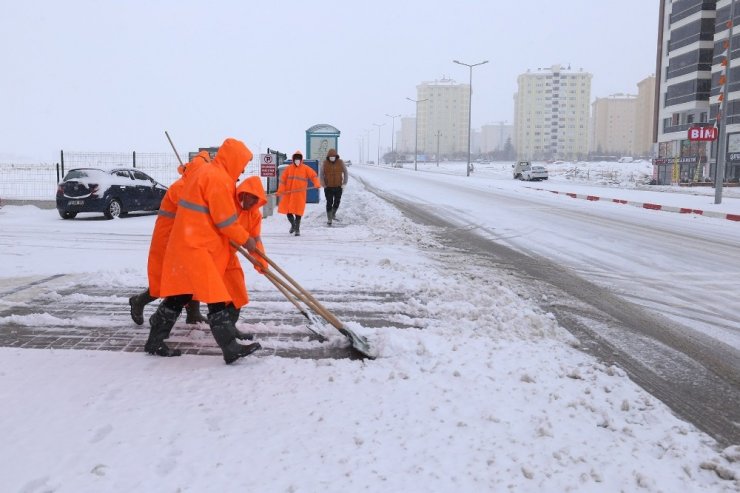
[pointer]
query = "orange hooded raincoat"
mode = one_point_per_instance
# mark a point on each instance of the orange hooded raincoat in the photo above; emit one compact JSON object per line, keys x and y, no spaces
{"x":251,"y":220}
{"x":293,"y":185}
{"x":165,"y":220}
{"x":198,"y":250}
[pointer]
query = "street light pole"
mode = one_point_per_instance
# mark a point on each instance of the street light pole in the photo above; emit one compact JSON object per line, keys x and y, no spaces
{"x":393,"y":134}
{"x":367,"y":147}
{"x":470,"y":103}
{"x":379,"y":125}
{"x":719,"y":175}
{"x":416,"y":128}
{"x":439,"y":132}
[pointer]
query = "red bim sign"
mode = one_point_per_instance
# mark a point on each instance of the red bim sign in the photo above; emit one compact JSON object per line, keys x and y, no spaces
{"x":705,"y":134}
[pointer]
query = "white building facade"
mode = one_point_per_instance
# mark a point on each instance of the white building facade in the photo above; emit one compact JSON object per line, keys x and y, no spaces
{"x":551,"y":114}
{"x":442,"y":118}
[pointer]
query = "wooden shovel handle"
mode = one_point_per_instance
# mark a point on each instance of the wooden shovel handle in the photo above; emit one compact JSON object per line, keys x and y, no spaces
{"x":319,"y":308}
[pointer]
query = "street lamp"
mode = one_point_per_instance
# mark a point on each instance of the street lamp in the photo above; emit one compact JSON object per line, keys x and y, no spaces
{"x":416,"y":127}
{"x":379,"y":125}
{"x":393,"y":134}
{"x":470,"y":103}
{"x":367,"y":147}
{"x":719,"y":175}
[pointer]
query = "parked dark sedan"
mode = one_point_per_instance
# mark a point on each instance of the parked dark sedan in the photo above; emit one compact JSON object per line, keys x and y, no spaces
{"x":114,"y":192}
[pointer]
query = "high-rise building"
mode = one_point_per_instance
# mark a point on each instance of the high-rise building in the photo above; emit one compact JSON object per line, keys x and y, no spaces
{"x":494,"y":137}
{"x":551,"y":114}
{"x":613,"y":125}
{"x":691,"y":51}
{"x":644,"y":116}
{"x":405,"y":135}
{"x":443,"y":115}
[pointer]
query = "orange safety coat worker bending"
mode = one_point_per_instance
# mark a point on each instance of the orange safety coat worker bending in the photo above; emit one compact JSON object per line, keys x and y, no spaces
{"x":294,"y":181}
{"x":165,"y":221}
{"x":251,"y":220}
{"x":158,"y":245}
{"x":199,"y":251}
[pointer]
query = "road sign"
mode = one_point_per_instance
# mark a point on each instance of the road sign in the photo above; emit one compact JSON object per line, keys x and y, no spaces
{"x":268,"y":165}
{"x":705,"y":134}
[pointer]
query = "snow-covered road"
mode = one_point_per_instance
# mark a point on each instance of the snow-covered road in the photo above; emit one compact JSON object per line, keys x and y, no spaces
{"x":681,"y":266}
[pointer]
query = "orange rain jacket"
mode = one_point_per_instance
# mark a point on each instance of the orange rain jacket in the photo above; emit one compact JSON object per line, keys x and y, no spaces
{"x":165,"y":220}
{"x":293,"y":185}
{"x":251,"y":220}
{"x":198,"y":250}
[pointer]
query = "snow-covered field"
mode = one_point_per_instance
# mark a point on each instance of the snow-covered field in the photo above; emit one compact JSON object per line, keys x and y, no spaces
{"x":489,"y":394}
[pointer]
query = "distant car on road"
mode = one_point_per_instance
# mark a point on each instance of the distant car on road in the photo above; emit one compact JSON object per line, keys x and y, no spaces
{"x":524,"y":170}
{"x":114,"y":192}
{"x":348,"y":162}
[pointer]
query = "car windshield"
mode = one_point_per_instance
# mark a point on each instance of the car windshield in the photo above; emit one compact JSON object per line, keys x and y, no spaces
{"x":82,"y":173}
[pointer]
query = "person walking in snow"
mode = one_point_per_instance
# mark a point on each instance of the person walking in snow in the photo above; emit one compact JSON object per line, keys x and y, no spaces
{"x":160,"y":236}
{"x":333,"y":176}
{"x":292,"y":190}
{"x":199,"y":250}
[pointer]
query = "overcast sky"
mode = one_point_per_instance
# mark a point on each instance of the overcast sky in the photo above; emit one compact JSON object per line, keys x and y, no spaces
{"x":114,"y":75}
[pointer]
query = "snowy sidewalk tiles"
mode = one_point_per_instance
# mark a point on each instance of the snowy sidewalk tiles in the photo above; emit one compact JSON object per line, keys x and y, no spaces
{"x":646,"y":205}
{"x":58,"y":319}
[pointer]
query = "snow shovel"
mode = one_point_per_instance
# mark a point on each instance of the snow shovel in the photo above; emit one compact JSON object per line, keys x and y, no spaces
{"x":358,"y":342}
{"x":286,"y":292}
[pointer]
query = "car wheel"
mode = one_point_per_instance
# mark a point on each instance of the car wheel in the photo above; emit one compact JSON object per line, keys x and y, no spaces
{"x":113,"y":209}
{"x":67,"y":214}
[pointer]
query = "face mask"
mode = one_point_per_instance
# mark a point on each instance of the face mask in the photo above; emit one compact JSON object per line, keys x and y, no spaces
{"x":333,"y":158}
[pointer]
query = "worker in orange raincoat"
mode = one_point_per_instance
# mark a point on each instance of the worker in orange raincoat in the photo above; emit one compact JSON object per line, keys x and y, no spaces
{"x":250,"y":196}
{"x":162,"y":228}
{"x":292,"y":190}
{"x":199,"y":250}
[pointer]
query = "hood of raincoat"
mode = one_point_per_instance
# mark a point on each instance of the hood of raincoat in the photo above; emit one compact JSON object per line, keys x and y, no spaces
{"x":198,"y":160}
{"x":234,"y":156}
{"x":253,"y":185}
{"x":300,"y":153}
{"x":332,"y":152}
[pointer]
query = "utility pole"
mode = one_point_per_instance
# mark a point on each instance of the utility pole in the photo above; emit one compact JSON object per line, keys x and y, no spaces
{"x":439,"y":132}
{"x":367,"y":147}
{"x":470,"y":103}
{"x":379,"y":125}
{"x":416,"y":128}
{"x":719,"y":176}
{"x":393,"y":134}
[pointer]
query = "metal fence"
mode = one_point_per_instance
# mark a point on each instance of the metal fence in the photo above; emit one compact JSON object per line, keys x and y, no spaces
{"x":39,"y":181}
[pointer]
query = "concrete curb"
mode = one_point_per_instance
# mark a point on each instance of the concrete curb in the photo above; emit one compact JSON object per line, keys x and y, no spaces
{"x":646,"y":205}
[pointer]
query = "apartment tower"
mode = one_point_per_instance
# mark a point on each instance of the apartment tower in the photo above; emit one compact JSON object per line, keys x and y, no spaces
{"x":443,"y":116}
{"x":551,"y":114}
{"x":691,"y":50}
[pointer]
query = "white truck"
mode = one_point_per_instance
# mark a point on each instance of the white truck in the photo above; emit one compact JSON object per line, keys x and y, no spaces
{"x":524,"y":170}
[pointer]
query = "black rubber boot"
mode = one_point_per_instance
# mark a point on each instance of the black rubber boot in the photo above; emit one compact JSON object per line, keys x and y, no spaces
{"x":334,"y":214}
{"x":234,"y":317}
{"x":298,"y":225}
{"x":161,"y":323}
{"x":192,"y":309}
{"x":223,"y":331}
{"x":292,"y":223}
{"x":328,"y":217}
{"x":137,"y":303}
